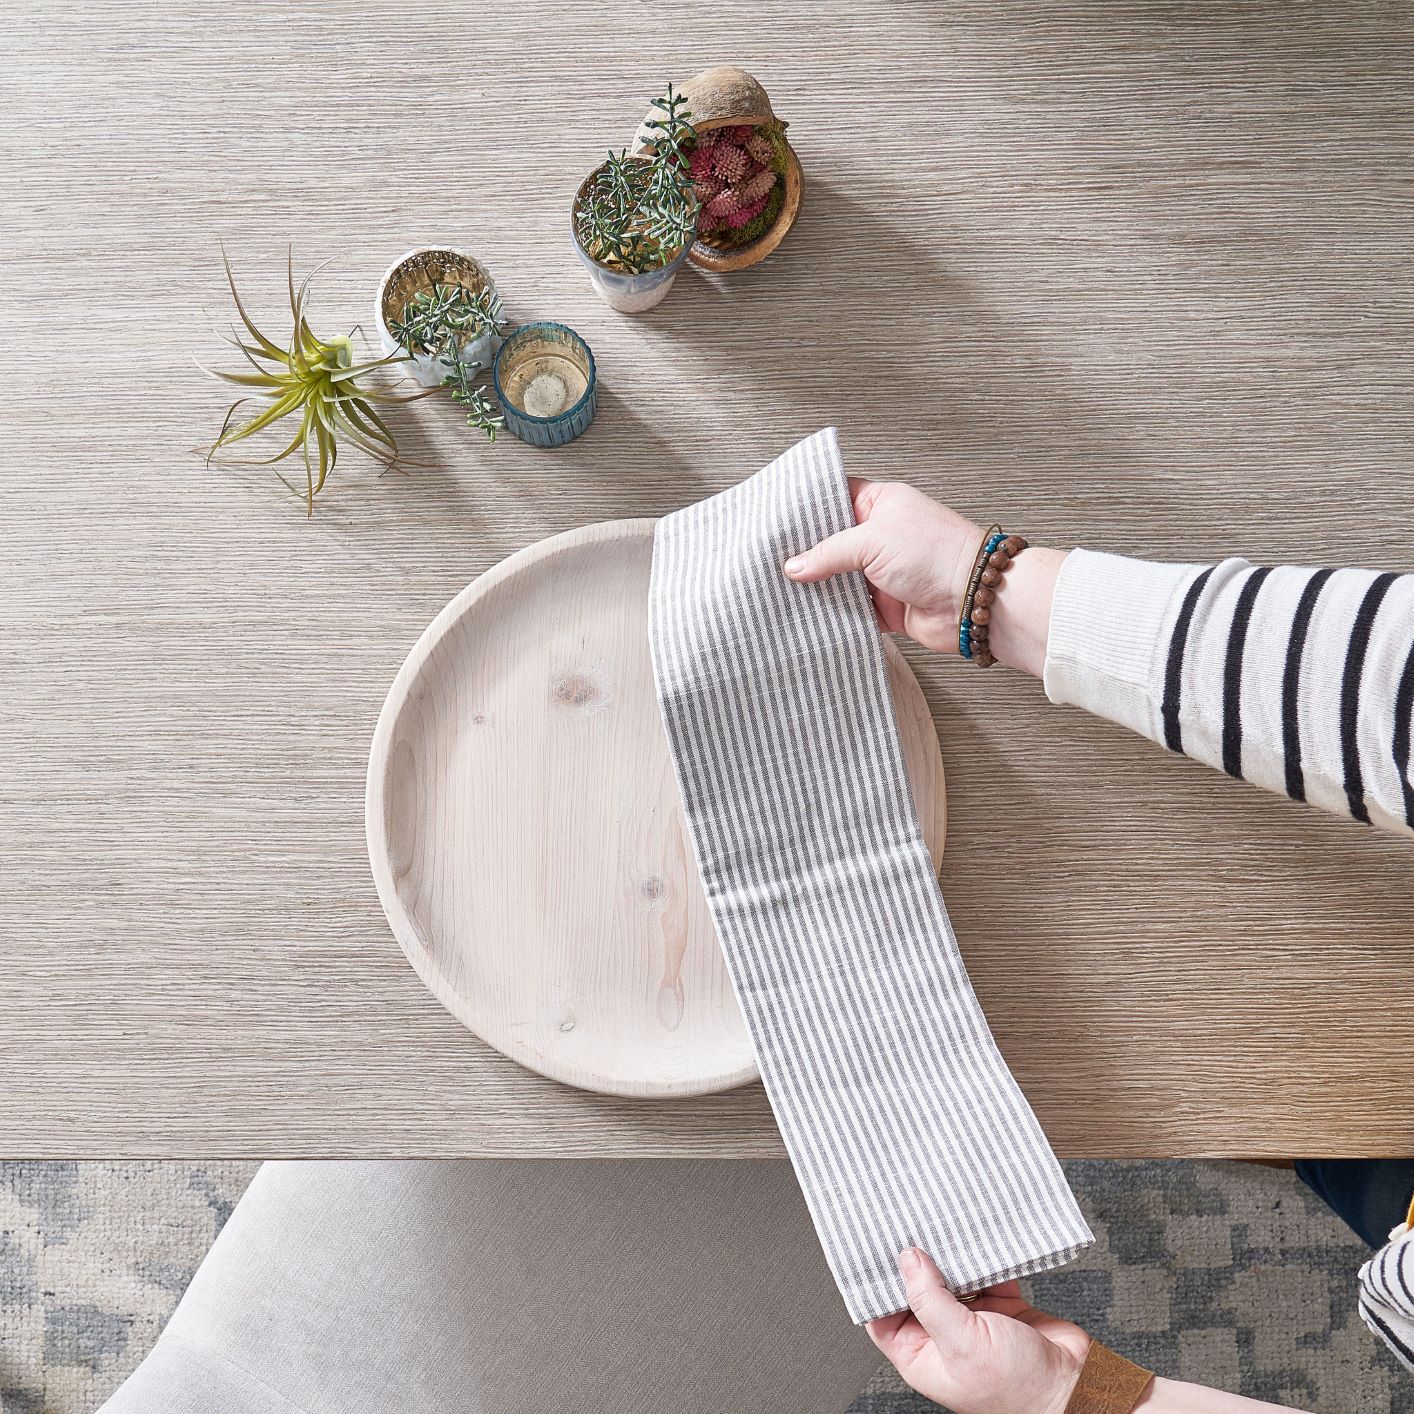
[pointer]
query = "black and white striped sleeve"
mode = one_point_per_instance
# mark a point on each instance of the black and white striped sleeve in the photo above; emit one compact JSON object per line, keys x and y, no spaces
{"x":1298,"y":680}
{"x":1387,"y":1294}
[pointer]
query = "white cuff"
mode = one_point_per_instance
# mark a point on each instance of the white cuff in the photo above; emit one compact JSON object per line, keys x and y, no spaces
{"x":1110,"y":623}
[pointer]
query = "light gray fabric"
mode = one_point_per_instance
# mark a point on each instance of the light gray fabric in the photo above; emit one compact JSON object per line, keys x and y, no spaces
{"x":903,"y":1122}
{"x":510,"y":1287}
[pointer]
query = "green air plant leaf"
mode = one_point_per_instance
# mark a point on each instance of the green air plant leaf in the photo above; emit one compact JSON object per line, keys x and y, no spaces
{"x":313,"y":379}
{"x":637,"y":212}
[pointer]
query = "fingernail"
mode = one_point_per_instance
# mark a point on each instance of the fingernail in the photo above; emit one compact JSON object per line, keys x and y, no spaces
{"x":795,"y":564}
{"x":909,"y":1263}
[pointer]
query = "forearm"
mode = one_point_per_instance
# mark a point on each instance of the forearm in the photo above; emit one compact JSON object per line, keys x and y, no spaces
{"x":1021,"y":613}
{"x":1176,"y":1397}
{"x":1296,"y":680}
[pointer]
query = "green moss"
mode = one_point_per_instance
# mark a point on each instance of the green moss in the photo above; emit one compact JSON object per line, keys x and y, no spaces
{"x":762,"y":222}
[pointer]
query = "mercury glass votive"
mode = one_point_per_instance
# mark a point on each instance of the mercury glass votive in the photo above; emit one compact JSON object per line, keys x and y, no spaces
{"x":546,"y":385}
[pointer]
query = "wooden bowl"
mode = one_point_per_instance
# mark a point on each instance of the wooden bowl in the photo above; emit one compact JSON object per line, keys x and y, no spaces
{"x":527,"y":836}
{"x":725,"y":97}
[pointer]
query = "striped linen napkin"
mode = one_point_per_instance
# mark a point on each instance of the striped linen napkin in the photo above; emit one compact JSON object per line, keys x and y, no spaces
{"x":901,"y":1118}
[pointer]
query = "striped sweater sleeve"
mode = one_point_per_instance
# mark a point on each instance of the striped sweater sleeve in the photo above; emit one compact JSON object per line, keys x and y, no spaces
{"x":1387,"y":1294}
{"x":1298,"y":680}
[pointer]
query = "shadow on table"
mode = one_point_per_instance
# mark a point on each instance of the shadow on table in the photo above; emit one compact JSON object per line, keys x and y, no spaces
{"x":859,"y":317}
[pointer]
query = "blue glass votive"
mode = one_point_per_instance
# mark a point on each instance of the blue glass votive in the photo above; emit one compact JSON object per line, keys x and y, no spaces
{"x":546,"y":384}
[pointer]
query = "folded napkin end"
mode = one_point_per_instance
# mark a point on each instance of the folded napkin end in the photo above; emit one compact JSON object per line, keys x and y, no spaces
{"x":869,"y":1301}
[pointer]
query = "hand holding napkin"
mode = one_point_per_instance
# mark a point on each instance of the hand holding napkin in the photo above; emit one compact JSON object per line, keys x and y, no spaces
{"x":905,"y":1127}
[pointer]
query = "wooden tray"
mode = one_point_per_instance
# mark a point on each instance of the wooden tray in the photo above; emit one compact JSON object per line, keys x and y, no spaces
{"x":526,"y":833}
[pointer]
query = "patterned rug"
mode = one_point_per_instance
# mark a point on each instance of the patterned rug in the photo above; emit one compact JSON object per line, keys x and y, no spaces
{"x":1219,"y":1273}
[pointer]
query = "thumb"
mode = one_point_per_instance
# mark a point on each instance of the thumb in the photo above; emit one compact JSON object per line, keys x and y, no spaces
{"x":845,"y":550}
{"x":939,"y":1312}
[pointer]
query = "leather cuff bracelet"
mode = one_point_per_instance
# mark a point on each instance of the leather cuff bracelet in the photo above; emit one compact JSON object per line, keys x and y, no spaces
{"x":1109,"y":1384}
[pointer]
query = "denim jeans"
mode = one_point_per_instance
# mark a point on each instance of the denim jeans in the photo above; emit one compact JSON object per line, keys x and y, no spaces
{"x":1371,"y":1195}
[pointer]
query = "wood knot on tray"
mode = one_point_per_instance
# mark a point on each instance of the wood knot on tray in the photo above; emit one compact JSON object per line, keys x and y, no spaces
{"x":576,"y":690}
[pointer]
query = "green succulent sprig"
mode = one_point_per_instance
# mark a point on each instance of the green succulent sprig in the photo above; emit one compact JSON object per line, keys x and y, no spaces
{"x":440,"y":322}
{"x":445,"y":318}
{"x":471,"y":396}
{"x":638,"y":211}
{"x":316,"y":380}
{"x":673,"y":132}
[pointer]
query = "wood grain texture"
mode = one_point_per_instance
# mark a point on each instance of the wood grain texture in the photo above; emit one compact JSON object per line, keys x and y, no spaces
{"x":1129,"y":275}
{"x":526,"y":830}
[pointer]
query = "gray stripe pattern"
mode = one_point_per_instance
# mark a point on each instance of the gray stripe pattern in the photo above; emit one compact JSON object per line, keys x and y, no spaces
{"x":901,"y":1118}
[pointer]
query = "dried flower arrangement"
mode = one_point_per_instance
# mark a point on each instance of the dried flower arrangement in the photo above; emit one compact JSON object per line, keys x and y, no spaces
{"x":739,"y":174}
{"x":744,"y":170}
{"x":440,"y":322}
{"x":310,"y":378}
{"x":636,"y":212}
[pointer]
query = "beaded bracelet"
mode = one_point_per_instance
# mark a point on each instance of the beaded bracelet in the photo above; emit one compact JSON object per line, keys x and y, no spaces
{"x":993,"y":560}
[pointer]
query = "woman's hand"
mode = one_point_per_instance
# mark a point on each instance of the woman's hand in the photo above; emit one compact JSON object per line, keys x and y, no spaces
{"x":917,"y":556}
{"x":995,"y":1355}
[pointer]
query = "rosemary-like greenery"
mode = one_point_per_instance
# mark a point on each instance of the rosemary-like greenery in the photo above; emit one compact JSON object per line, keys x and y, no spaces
{"x":440,"y":322}
{"x":638,"y":211}
{"x":446,"y":317}
{"x":313,"y":379}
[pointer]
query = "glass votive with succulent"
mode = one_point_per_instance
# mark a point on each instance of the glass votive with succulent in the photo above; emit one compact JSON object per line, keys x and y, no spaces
{"x":439,"y":312}
{"x":438,"y":306}
{"x":634,"y":217}
{"x":546,"y":384}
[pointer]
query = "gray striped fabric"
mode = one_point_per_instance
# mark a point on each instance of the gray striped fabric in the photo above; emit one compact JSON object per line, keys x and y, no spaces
{"x":904,"y":1125}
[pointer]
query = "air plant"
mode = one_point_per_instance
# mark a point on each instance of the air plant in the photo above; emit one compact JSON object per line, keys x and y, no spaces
{"x":636,"y":212}
{"x":315,"y":380}
{"x":440,"y":322}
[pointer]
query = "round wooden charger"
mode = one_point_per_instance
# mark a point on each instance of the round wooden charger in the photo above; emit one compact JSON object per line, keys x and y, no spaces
{"x":527,"y":836}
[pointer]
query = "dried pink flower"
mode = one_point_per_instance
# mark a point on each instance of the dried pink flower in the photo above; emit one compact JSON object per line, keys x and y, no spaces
{"x":757,"y":188}
{"x":761,"y":149}
{"x":724,"y":204}
{"x":729,"y":163}
{"x":747,"y":213}
{"x":741,"y":134}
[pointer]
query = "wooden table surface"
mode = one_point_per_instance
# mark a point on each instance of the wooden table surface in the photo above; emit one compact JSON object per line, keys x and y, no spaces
{"x":1134,"y":276}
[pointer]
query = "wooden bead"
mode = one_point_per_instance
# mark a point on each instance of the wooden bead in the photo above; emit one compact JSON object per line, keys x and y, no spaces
{"x":984,"y":596}
{"x":990,"y":577}
{"x":980,"y":616}
{"x":983,"y":658}
{"x":1013,"y":545}
{"x":999,"y":560}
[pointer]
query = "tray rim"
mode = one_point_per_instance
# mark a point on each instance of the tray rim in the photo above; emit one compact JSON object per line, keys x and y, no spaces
{"x":405,"y":931}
